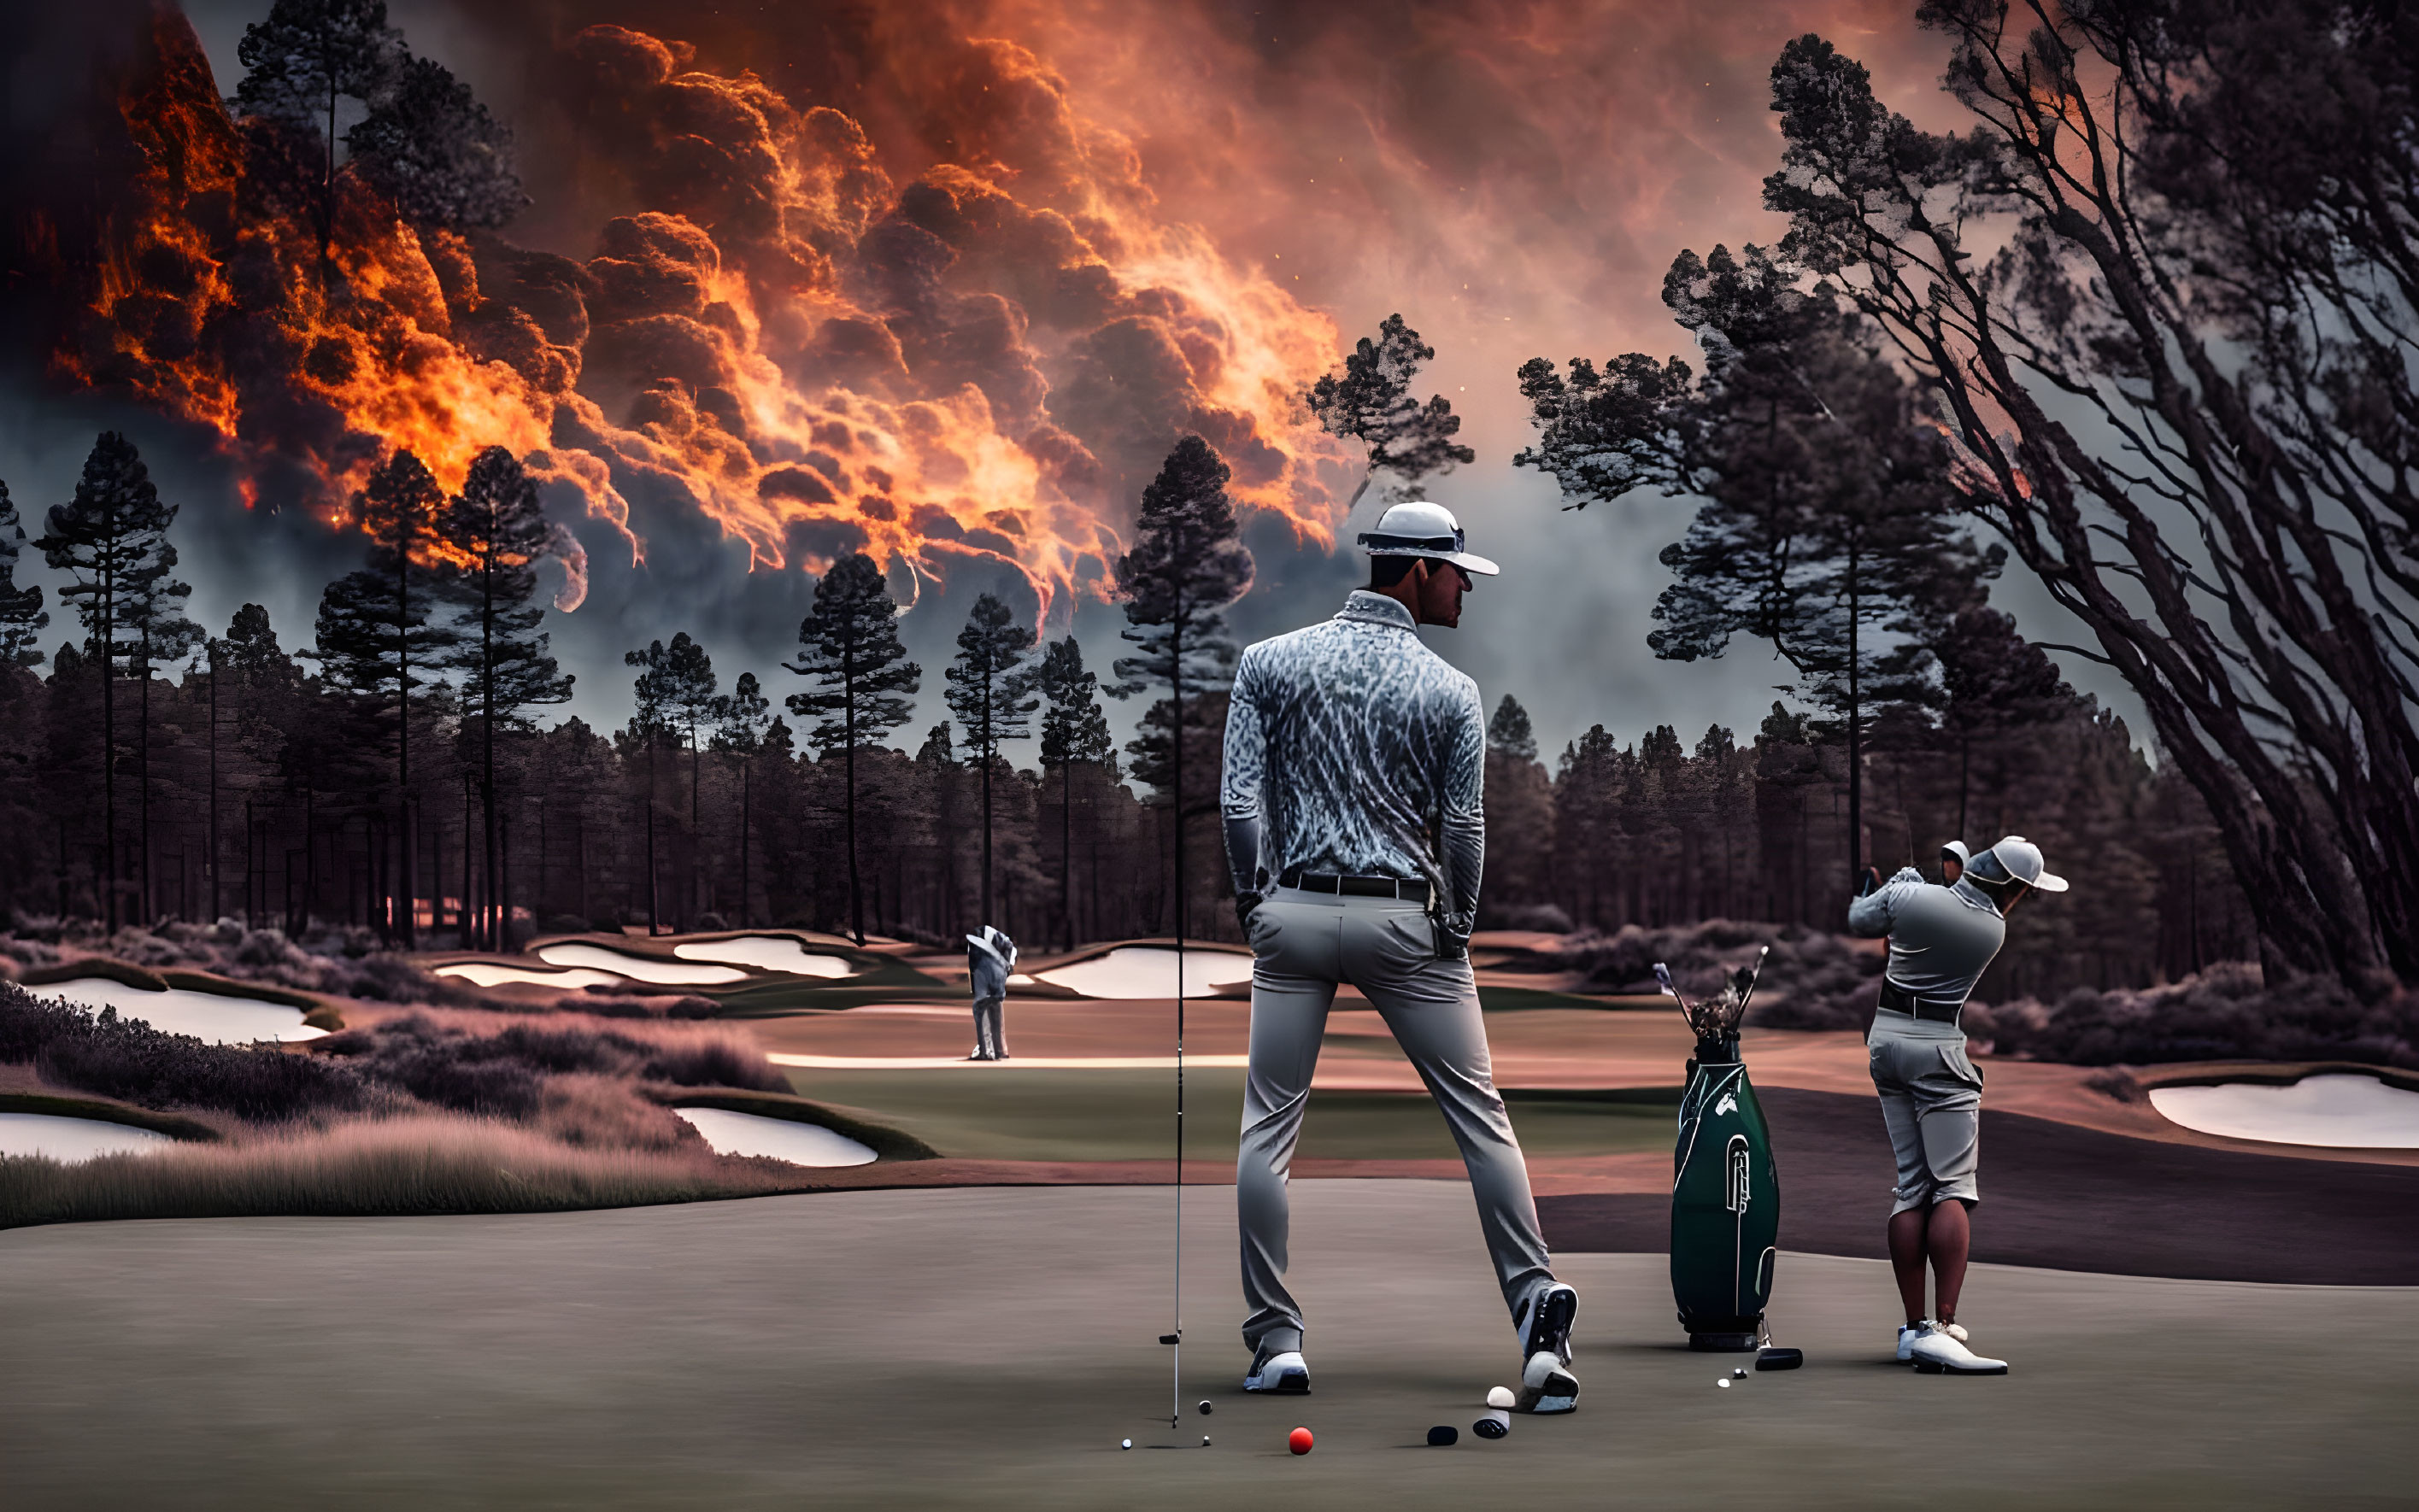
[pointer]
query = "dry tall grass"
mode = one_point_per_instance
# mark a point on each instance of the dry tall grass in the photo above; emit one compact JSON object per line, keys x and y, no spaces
{"x":376,"y":1169}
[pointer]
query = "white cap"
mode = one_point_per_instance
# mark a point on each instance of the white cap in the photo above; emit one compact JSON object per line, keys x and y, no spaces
{"x":1419,"y":528}
{"x":1957,"y":848}
{"x":2022,"y":859}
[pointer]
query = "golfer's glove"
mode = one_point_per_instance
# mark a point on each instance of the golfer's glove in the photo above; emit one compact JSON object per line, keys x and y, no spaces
{"x":1246,"y":904}
{"x":1450,"y":946}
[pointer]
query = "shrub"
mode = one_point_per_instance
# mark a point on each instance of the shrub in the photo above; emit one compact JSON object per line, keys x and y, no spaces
{"x":131,"y":1062}
{"x":1809,"y":981}
{"x":2226,"y":1013}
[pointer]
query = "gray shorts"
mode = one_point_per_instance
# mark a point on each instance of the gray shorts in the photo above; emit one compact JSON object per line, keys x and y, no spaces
{"x":1931,"y":1101}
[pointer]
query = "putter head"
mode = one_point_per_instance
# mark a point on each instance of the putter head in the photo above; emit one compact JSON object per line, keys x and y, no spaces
{"x":1770,"y":1358}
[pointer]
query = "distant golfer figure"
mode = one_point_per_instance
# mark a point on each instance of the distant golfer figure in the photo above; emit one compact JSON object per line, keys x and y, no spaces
{"x":1940,"y":940}
{"x":1953,"y":857}
{"x":990,"y":957}
{"x":1348,"y":746}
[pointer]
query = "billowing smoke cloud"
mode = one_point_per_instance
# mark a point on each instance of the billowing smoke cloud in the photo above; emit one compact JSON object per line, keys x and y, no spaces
{"x":944,"y":279}
{"x":984,"y":360}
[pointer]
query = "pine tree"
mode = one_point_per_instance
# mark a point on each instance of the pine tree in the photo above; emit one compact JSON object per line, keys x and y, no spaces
{"x":740,"y":725}
{"x":675,"y":691}
{"x":1074,"y":729}
{"x":850,"y":648}
{"x":110,"y":538}
{"x":990,"y":690}
{"x":432,"y":149}
{"x":1508,"y":733}
{"x":1186,"y":567}
{"x":22,"y":618}
{"x":493,"y":527}
{"x":302,"y":59}
{"x":1370,"y":401}
{"x":152,"y":609}
{"x":381,"y":634}
{"x":1829,"y":522}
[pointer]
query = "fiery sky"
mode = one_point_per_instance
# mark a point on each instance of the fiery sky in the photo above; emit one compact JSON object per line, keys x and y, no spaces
{"x":945,"y":281}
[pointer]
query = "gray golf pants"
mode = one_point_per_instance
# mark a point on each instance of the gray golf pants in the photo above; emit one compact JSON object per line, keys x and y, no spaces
{"x":988,"y":1039}
{"x":1305,"y":944}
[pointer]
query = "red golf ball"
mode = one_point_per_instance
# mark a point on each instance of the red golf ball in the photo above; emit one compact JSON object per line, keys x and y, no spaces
{"x":1299,"y":1440}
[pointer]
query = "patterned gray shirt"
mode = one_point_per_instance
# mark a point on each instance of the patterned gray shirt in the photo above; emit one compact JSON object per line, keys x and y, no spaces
{"x":1354,"y":749}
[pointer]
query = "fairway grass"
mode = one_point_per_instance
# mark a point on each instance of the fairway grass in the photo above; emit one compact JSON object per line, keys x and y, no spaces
{"x":1013,"y":1114}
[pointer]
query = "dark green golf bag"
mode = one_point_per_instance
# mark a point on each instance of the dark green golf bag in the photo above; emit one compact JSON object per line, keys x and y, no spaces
{"x":1725,"y":1205}
{"x":1725,"y":1191}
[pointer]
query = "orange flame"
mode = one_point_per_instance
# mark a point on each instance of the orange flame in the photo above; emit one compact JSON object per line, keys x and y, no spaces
{"x":735,"y":349}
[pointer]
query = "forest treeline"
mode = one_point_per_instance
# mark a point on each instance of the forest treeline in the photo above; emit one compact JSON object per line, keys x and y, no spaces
{"x":264,"y":774}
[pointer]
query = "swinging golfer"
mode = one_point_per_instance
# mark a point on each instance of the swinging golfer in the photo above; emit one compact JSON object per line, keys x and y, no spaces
{"x":1940,"y":940}
{"x":1354,"y":757}
{"x":990,"y":957}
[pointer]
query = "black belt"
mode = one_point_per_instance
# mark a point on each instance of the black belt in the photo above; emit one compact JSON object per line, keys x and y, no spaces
{"x":1412,"y":890}
{"x":1898,"y":1000}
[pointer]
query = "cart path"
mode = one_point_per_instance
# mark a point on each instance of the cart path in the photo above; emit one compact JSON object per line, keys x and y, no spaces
{"x":2067,"y":1198}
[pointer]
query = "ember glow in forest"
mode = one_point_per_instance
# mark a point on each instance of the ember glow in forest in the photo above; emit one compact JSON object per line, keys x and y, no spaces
{"x":985,"y":357}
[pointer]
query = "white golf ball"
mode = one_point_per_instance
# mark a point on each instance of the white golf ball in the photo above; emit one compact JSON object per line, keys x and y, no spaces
{"x":1501,"y":1397}
{"x":1125,"y":1443}
{"x":1739,"y":1374}
{"x":1724,"y":1383}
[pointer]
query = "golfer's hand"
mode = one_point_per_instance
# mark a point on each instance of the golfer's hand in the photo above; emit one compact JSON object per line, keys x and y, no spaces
{"x":1246,"y":904}
{"x":1450,"y":946}
{"x":1871,"y":883}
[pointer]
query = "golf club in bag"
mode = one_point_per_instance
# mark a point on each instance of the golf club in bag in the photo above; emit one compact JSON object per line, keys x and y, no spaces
{"x":1725,"y":1193}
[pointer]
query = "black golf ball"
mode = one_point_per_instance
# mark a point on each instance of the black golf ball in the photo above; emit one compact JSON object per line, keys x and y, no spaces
{"x":1204,"y":1406}
{"x":1445,"y":1436}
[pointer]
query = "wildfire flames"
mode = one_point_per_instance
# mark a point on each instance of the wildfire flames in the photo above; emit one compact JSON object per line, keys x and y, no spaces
{"x":986,"y":360}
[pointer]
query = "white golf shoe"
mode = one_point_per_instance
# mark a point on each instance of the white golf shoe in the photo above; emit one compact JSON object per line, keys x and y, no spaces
{"x":1941,"y":1350}
{"x":1544,"y":1323}
{"x":1546,"y":1385}
{"x":1283,"y":1371}
{"x":1909,"y":1333}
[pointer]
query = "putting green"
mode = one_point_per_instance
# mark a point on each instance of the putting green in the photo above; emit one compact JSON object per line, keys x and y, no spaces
{"x":987,"y":1348}
{"x":1013,"y":1114}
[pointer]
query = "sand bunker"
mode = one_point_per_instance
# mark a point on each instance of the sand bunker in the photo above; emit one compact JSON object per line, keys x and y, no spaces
{"x":1149,"y":971}
{"x":488,"y":974}
{"x":2344,"y":1112}
{"x":767,"y":953}
{"x":639,"y":968}
{"x":752,"y":1134}
{"x":205,"y":1015}
{"x":71,"y":1139}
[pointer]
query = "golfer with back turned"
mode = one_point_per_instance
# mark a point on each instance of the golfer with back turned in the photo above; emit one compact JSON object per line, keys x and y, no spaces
{"x":1354,"y":762}
{"x":1940,"y":940}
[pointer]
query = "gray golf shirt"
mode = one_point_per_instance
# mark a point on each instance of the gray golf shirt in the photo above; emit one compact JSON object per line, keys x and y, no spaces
{"x":1940,"y":937}
{"x":1353,"y":750}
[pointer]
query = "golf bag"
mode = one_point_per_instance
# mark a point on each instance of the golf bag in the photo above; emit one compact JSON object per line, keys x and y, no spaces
{"x":1725,"y":1191}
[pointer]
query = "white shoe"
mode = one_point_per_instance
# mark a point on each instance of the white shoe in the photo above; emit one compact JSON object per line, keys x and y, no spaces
{"x":1938,"y":1352}
{"x":1909,"y":1333}
{"x":1546,"y":1385}
{"x":1286,"y":1372}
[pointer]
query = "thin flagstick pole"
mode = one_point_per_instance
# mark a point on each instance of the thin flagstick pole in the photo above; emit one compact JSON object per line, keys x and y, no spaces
{"x":1176,"y":1389}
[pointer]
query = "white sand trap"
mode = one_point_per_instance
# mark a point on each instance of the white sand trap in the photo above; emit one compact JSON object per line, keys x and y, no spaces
{"x":767,"y":953}
{"x":488,"y":974}
{"x":2343,"y":1111}
{"x":68,"y":1140}
{"x":205,"y":1015}
{"x":752,"y":1134}
{"x":640,"y":968}
{"x":1149,"y":971}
